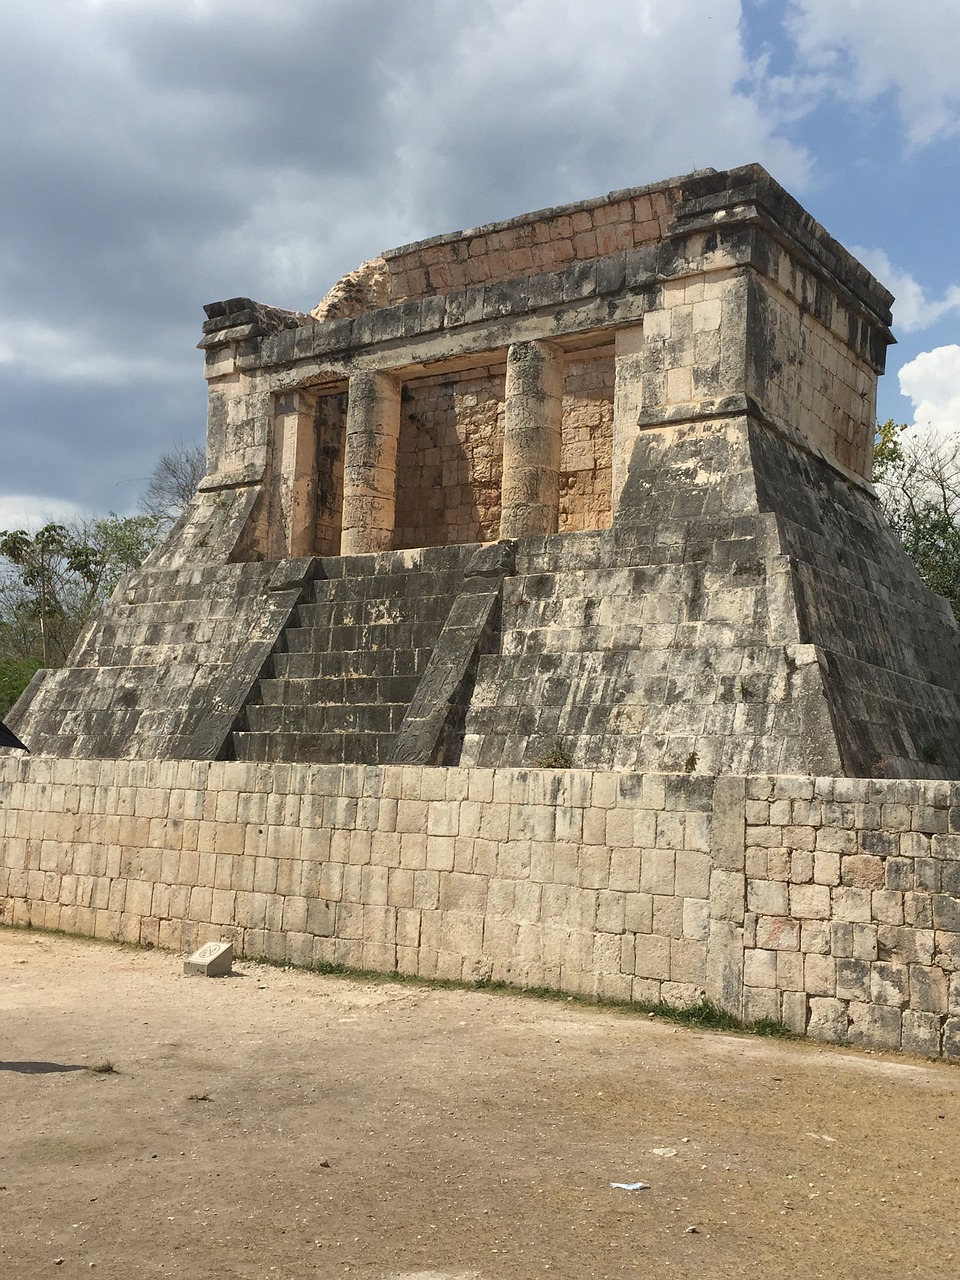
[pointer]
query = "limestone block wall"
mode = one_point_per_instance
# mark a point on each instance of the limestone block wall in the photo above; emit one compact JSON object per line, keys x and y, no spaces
{"x":546,"y":240}
{"x":450,"y":458}
{"x":586,"y":443}
{"x":450,"y":452}
{"x":809,"y":370}
{"x":852,"y":920}
{"x":829,"y":903}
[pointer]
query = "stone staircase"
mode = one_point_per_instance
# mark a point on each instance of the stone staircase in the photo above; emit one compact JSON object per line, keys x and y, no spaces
{"x":346,"y":667}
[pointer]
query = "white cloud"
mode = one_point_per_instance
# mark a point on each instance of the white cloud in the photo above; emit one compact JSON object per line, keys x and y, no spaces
{"x":866,"y":48}
{"x":539,"y":101}
{"x":486,"y":111}
{"x":913,"y":309}
{"x":32,"y":511}
{"x":932,"y":382}
{"x":59,"y":354}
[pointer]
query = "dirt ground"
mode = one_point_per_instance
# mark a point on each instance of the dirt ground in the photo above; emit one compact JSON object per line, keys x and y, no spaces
{"x":280,"y":1124}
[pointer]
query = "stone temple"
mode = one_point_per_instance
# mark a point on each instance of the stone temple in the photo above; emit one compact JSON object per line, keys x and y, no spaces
{"x":535,"y":623}
{"x":588,"y":487}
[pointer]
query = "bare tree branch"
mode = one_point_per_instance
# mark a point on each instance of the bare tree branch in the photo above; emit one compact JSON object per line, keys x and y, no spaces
{"x":173,"y":483}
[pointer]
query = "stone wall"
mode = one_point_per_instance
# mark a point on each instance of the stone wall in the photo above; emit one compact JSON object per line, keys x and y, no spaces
{"x":586,"y":444}
{"x":449,"y":459}
{"x":829,"y":903}
{"x":450,"y":452}
{"x":546,"y":240}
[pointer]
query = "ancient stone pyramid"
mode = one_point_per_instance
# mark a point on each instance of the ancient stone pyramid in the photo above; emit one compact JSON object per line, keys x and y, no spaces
{"x":591,"y":486}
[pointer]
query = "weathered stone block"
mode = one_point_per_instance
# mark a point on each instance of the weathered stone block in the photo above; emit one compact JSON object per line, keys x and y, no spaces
{"x":727,"y":894}
{"x":929,"y":989}
{"x":652,"y":957}
{"x":874,"y":1026}
{"x":658,"y":871}
{"x":820,"y":975}
{"x":890,"y":984}
{"x":768,"y":897}
{"x":851,"y":904}
{"x":760,"y":968}
{"x":853,"y":980}
{"x":810,"y":901}
{"x":863,"y":871}
{"x":212,"y":960}
{"x":778,"y":933}
{"x":921,"y":1033}
{"x":761,"y":1004}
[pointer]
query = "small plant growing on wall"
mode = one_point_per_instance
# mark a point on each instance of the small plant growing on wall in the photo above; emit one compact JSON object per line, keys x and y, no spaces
{"x":558,"y":757}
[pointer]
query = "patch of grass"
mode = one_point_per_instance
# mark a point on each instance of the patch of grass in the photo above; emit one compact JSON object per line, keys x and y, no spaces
{"x":41,"y":931}
{"x":708,"y":1016}
{"x":705,"y":1015}
{"x":770,"y":1027}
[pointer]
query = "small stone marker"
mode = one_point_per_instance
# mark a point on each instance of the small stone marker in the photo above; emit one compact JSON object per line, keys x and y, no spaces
{"x":213,"y":960}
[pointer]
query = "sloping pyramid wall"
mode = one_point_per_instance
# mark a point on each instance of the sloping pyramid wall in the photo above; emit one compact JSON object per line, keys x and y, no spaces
{"x":792,"y":635}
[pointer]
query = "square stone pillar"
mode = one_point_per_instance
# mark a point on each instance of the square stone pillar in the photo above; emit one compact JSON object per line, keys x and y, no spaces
{"x":627,"y":402}
{"x":531,"y":440}
{"x":370,"y":463}
{"x":294,"y":479}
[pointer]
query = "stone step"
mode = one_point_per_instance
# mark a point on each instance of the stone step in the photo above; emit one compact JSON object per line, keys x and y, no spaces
{"x":394,"y":586}
{"x":306,"y":665}
{"x":324,"y":748}
{"x":378,"y":718}
{"x":333,"y":690}
{"x":341,"y":677}
{"x":372,"y":638}
{"x":382,"y":611}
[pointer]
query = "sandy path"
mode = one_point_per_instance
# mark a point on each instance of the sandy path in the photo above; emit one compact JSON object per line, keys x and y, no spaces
{"x":467,"y":1134}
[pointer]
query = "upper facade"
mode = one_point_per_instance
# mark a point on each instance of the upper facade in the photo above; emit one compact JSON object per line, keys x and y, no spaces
{"x":492,"y":382}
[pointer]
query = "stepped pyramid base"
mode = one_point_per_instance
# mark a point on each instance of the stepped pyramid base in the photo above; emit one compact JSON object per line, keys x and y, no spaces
{"x":791,"y":635}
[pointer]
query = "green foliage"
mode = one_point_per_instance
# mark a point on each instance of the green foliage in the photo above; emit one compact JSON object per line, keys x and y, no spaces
{"x":15,"y":675}
{"x":51,"y":581}
{"x":887,"y":449}
{"x":918,"y":481}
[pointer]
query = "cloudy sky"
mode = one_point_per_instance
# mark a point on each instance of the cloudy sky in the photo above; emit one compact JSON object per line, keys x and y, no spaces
{"x":159,"y":154}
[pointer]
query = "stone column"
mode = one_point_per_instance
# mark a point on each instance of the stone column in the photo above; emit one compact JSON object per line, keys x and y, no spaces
{"x":627,"y":402}
{"x":531,"y":440}
{"x":370,"y":463}
{"x":294,"y":476}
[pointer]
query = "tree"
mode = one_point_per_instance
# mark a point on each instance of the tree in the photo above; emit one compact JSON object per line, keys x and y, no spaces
{"x":918,"y":483}
{"x":51,"y":581}
{"x":173,"y":483}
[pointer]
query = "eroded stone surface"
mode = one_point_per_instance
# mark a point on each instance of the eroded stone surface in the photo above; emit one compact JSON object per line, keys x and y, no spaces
{"x":664,"y":396}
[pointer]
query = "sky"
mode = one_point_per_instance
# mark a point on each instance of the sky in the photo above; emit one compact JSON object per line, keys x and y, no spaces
{"x":156,"y":155}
